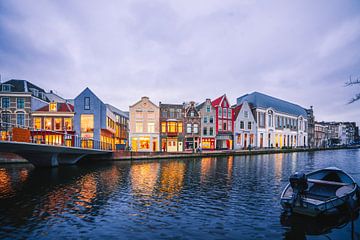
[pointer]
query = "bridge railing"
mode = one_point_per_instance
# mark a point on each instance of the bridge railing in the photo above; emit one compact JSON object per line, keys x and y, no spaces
{"x":21,"y":133}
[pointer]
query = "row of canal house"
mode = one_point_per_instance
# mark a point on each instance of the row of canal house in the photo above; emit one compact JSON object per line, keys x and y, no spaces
{"x":257,"y":120}
{"x":181,"y":127}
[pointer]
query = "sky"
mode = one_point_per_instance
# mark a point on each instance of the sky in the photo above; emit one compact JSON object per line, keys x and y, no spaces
{"x":177,"y":50}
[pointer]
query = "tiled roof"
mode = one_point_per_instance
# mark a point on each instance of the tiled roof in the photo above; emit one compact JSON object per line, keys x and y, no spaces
{"x":237,"y":110}
{"x":260,"y":100}
{"x":18,"y":85}
{"x":61,"y":107}
{"x":217,"y":101}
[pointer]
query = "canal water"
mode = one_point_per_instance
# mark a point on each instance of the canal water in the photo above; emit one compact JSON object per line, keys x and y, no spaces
{"x":208,"y":198}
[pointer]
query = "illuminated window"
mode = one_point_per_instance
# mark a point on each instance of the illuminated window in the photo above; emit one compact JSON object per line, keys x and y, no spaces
{"x":180,"y":127}
{"x":151,"y":127}
{"x":57,"y":124}
{"x":171,"y":127}
{"x":68,"y":124}
{"x":145,"y":143}
{"x":53,"y":107}
{"x":139,"y":126}
{"x":238,"y":139}
{"x":37,"y":123}
{"x":48,"y":123}
{"x":87,"y":123}
{"x":163,"y":127}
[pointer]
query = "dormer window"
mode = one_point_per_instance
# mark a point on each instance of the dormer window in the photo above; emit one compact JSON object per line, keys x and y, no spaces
{"x":53,"y":107}
{"x":6,"y":88}
{"x":35,"y":92}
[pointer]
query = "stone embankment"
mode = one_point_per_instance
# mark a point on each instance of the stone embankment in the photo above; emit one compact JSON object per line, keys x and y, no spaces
{"x":216,"y":153}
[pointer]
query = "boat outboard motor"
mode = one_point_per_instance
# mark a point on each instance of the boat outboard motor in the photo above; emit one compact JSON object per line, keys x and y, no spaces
{"x":299,"y":184}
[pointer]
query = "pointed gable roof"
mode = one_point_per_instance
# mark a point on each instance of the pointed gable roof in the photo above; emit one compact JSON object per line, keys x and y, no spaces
{"x":91,"y":92}
{"x":237,"y":110}
{"x":217,"y":101}
{"x":61,"y":107}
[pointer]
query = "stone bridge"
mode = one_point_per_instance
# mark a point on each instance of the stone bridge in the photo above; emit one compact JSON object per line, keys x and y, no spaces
{"x":41,"y":155}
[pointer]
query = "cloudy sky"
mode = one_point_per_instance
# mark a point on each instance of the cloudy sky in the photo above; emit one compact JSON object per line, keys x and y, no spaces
{"x":177,"y":50}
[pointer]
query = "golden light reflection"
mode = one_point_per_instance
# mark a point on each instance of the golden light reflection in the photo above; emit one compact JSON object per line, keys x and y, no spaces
{"x":230,"y":165}
{"x":5,"y":182}
{"x":110,"y":178}
{"x":278,"y":165}
{"x":206,"y":164}
{"x":144,"y":177}
{"x":87,"y":190}
{"x":24,"y":174}
{"x":172,"y":178}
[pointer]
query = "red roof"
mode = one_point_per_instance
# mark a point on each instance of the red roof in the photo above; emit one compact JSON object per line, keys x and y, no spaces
{"x":237,"y":110}
{"x":61,"y":107}
{"x":217,"y":101}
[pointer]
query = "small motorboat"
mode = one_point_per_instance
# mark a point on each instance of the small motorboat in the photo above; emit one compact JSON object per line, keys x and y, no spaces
{"x":322,"y":192}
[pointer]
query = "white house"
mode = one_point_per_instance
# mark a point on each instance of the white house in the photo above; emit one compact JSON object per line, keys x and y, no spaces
{"x":279,"y":123}
{"x":245,"y":128}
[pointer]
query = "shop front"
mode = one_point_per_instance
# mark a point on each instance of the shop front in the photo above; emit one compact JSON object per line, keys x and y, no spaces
{"x":224,"y":142}
{"x":191,"y":143}
{"x":171,"y":145}
{"x":144,"y":144}
{"x":208,"y":143}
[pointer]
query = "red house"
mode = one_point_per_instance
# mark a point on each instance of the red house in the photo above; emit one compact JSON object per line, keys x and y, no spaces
{"x":53,"y":124}
{"x":225,"y":122}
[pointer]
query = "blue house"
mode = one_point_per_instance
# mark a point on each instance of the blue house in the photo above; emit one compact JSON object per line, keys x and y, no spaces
{"x":97,"y":124}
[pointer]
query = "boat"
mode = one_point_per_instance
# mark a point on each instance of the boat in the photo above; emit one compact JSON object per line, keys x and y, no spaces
{"x":323,"y":192}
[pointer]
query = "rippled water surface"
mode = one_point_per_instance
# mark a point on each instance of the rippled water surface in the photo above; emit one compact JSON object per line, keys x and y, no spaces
{"x":208,"y":198}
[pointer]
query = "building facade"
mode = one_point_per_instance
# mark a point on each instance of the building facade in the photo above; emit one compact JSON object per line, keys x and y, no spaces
{"x":244,"y":127}
{"x":95,"y":122}
{"x":321,"y":131}
{"x":192,"y":125}
{"x":171,"y":127}
{"x":225,"y":122}
{"x":18,"y":99}
{"x":208,"y":125}
{"x":144,"y":126}
{"x":311,"y":126}
{"x":121,"y":122}
{"x":53,"y":124}
{"x":279,"y":123}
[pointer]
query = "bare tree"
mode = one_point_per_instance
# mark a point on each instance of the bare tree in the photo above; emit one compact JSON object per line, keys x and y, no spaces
{"x":352,"y":82}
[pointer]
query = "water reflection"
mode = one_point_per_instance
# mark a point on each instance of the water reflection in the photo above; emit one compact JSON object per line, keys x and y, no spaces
{"x":172,"y":178}
{"x":223,"y":198}
{"x":144,"y":178}
{"x":5,"y":183}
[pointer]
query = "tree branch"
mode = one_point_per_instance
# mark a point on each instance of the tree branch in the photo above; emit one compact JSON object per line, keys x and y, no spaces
{"x":352,"y":81}
{"x":356,"y":98}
